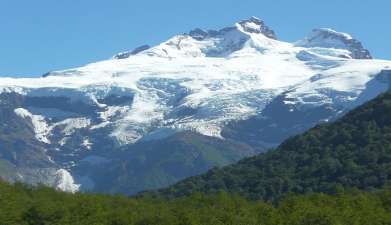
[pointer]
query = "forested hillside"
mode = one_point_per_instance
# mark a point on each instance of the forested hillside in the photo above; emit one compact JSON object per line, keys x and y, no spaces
{"x":21,"y":205}
{"x":338,"y":159}
{"x":353,"y":152}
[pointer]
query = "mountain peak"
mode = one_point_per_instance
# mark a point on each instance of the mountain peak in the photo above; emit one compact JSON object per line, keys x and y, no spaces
{"x":329,"y":38}
{"x":252,"y":25}
{"x":256,"y":25}
{"x":331,"y":33}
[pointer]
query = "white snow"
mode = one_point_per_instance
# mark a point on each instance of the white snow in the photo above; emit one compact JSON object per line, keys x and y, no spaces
{"x":72,"y":124}
{"x":252,"y":25}
{"x":41,"y":128}
{"x":63,"y":141}
{"x":65,"y":182}
{"x":87,"y":143}
{"x":326,"y":38}
{"x":200,"y":85}
{"x":350,"y":80}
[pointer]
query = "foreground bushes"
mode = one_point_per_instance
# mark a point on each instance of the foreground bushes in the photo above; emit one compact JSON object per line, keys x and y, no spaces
{"x":24,"y":205}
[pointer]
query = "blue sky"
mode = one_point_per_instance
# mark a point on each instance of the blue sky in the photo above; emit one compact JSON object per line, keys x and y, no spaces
{"x":43,"y":35}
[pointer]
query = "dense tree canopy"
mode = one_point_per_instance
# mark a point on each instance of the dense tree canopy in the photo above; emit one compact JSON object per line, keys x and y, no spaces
{"x":21,"y":205}
{"x":353,"y":152}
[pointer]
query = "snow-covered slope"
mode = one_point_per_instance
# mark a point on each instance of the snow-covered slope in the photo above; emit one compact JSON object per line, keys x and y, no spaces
{"x":201,"y":82}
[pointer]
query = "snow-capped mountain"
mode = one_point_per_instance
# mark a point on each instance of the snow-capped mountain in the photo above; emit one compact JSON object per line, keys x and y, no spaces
{"x":238,"y":84}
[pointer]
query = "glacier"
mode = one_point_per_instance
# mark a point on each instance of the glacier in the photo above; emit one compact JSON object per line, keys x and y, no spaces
{"x":201,"y":82}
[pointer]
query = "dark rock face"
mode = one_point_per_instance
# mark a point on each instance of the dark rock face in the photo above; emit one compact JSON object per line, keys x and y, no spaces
{"x":125,"y":55}
{"x":112,"y":100}
{"x":61,"y":103}
{"x":19,"y":149}
{"x":198,"y":34}
{"x":259,"y":28}
{"x":358,"y":51}
{"x":252,"y":25}
{"x":385,"y":76}
{"x":277,"y":122}
{"x":46,"y":74}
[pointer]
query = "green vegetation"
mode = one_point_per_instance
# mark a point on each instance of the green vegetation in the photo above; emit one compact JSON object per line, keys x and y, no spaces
{"x":128,"y":169}
{"x":353,"y":152}
{"x":334,"y":174}
{"x":159,"y":163}
{"x":22,"y":205}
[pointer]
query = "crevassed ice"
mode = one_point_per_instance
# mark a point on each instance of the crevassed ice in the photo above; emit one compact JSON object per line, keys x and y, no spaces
{"x":202,"y":83}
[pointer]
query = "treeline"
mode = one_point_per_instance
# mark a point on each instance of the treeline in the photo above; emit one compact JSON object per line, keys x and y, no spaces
{"x":22,"y":205}
{"x":353,"y":152}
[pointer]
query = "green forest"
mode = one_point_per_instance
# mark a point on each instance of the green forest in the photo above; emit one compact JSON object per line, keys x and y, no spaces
{"x":353,"y":152}
{"x":22,"y":205}
{"x":334,"y":174}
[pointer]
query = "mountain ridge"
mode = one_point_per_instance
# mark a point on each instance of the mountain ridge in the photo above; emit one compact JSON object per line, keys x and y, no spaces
{"x":232,"y":85}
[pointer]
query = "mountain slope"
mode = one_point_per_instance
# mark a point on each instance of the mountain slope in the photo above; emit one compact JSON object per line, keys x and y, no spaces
{"x":128,"y":169}
{"x":160,"y":163}
{"x":237,"y":84}
{"x":22,"y":155}
{"x":354,"y":151}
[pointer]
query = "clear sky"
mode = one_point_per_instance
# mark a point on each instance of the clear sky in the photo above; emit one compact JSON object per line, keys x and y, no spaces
{"x":37,"y":36}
